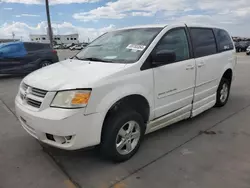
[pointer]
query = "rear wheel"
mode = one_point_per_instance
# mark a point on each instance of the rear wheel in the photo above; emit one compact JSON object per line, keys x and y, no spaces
{"x":45,"y":63}
{"x":223,"y":92}
{"x":122,"y":135}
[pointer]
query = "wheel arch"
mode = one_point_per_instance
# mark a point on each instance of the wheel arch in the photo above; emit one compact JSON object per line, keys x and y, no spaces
{"x":135,"y":101}
{"x":228,"y":74}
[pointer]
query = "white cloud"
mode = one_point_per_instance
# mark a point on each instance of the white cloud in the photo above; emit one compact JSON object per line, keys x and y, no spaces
{"x":231,"y":14}
{"x":27,"y":15}
{"x":52,"y":2}
{"x":142,"y":14}
{"x":24,"y":30}
{"x":124,"y":8}
{"x":8,"y":8}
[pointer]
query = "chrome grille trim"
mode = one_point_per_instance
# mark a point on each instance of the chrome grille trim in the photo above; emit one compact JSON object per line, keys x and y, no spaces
{"x":35,"y":91}
{"x":33,"y":103}
{"x":24,"y":86}
{"x":32,"y":96}
{"x":38,"y":92}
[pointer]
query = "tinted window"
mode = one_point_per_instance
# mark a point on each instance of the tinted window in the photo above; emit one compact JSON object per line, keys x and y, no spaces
{"x":35,"y":46}
{"x":203,"y":42}
{"x":10,"y":49}
{"x":175,"y":40}
{"x":224,"y":40}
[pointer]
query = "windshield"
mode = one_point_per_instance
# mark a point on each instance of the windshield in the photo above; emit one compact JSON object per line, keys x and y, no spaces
{"x":124,"y":46}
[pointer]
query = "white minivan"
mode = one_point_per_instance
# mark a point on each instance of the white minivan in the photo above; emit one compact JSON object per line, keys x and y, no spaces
{"x":125,"y":84}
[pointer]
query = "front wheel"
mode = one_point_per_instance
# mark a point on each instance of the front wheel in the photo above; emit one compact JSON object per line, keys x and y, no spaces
{"x":122,"y":135}
{"x":223,"y":92}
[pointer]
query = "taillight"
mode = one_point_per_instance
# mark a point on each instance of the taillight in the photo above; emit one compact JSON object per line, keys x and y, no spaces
{"x":54,"y":51}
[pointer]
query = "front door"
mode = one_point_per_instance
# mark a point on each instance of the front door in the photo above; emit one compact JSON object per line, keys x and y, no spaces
{"x":174,"y":82}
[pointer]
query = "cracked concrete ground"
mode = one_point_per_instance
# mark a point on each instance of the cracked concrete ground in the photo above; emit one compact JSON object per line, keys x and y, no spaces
{"x":210,"y":150}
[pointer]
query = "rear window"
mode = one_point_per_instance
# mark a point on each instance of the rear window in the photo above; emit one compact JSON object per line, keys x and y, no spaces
{"x":224,"y":40}
{"x":203,"y":42}
{"x":36,"y":46}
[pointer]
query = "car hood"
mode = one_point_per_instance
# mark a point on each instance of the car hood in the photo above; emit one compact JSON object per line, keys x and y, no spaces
{"x":71,"y":74}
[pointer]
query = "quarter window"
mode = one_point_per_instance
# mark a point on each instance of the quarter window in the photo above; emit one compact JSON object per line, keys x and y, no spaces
{"x":224,"y":40}
{"x":203,"y":42}
{"x":176,"y":41}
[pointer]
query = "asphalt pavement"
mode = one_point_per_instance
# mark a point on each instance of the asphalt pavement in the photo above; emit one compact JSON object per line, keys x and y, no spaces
{"x":210,"y":150}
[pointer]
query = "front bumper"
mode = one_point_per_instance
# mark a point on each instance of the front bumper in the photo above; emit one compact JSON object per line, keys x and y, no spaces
{"x":79,"y":130}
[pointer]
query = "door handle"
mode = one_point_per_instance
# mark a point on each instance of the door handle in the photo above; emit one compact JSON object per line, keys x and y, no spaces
{"x":189,"y":67}
{"x":201,"y":64}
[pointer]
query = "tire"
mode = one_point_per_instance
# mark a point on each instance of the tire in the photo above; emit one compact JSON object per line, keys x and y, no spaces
{"x":44,"y":64}
{"x":223,"y":92}
{"x":118,"y":124}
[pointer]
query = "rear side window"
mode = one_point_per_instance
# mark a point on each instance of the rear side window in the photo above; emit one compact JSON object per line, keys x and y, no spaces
{"x":36,"y":46}
{"x":203,"y":42}
{"x":224,"y":40}
{"x":14,"y":48}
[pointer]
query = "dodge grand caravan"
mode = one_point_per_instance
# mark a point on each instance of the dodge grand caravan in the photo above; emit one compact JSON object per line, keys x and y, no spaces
{"x":125,"y":84}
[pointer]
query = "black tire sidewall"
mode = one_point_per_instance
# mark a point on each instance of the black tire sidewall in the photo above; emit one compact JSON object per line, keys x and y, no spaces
{"x":113,"y":125}
{"x":41,"y":64}
{"x":218,"y":101}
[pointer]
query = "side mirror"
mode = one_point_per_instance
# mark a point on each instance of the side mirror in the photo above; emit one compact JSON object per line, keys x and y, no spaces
{"x":163,"y":57}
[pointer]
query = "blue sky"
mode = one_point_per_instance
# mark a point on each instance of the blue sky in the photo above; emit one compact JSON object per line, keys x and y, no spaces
{"x":13,"y":12}
{"x":92,"y":17}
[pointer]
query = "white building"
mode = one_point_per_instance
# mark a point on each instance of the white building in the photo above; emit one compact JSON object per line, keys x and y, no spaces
{"x":57,"y":39}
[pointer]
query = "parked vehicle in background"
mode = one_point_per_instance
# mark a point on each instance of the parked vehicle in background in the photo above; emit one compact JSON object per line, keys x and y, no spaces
{"x":243,"y":46}
{"x":85,"y":44}
{"x":125,"y":84}
{"x":25,"y":57}
{"x":67,"y":46}
{"x":237,"y":45}
{"x":57,"y":47}
{"x":72,"y":47}
{"x":79,"y":47}
{"x":248,"y":50}
{"x":76,"y":47}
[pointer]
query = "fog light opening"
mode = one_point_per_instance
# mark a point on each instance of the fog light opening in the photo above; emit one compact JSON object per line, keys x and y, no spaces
{"x":50,"y":137}
{"x":59,"y":139}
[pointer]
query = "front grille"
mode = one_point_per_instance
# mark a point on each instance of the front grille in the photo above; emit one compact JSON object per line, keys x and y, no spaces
{"x":35,"y":91}
{"x":38,"y":92}
{"x":33,"y":103}
{"x":32,"y":96}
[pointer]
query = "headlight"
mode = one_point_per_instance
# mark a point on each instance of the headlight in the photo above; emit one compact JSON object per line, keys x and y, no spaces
{"x":71,"y":99}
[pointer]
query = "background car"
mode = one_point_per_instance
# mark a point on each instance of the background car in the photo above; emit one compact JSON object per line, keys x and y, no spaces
{"x":67,"y":46}
{"x":25,"y":57}
{"x":76,"y":47}
{"x":242,"y":46}
{"x":248,"y":50}
{"x":57,"y":47}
